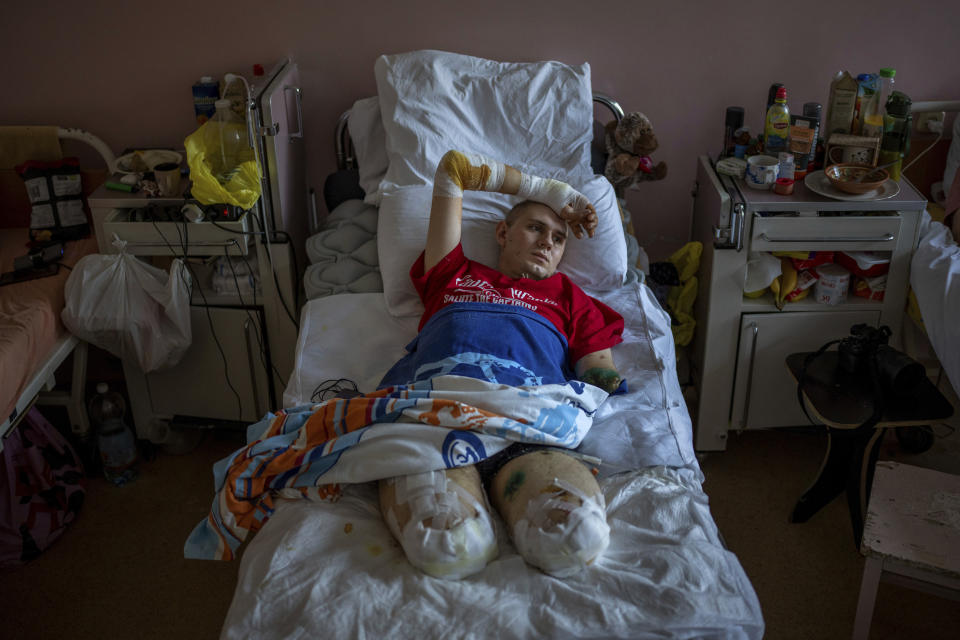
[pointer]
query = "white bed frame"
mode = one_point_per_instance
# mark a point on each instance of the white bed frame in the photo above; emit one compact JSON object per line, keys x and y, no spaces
{"x":40,"y":390}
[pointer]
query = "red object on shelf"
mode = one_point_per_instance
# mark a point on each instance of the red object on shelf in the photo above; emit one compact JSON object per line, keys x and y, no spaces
{"x":783,"y":186}
{"x":866,"y":264}
{"x":816,"y":259}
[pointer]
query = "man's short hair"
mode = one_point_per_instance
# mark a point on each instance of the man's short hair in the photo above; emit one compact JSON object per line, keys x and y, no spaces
{"x":517,"y":209}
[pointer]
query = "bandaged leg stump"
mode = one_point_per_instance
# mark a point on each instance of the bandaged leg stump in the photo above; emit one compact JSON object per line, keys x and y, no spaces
{"x":441,"y":520}
{"x":554,"y":510}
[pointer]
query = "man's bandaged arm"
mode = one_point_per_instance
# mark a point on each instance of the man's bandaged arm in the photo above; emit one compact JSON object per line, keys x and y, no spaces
{"x":598,"y":369}
{"x":460,"y":171}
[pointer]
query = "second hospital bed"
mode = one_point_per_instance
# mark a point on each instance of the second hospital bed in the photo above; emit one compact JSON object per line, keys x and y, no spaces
{"x":935,"y":267}
{"x":332,"y":569}
{"x":33,"y":341}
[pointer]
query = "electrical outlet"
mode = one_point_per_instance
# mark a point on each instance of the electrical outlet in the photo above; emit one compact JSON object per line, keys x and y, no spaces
{"x":931,"y":121}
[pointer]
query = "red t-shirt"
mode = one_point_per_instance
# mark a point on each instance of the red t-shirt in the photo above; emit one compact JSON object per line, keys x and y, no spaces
{"x":588,"y":324}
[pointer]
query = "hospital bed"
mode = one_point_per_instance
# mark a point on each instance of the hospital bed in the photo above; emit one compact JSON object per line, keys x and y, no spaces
{"x":935,"y":267}
{"x":332,"y":569}
{"x":33,"y":341}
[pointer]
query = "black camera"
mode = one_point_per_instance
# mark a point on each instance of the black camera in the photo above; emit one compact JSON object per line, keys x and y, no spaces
{"x":866,"y":350}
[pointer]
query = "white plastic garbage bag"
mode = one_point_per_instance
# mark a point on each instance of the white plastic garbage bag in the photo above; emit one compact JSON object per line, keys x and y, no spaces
{"x":130,"y":308}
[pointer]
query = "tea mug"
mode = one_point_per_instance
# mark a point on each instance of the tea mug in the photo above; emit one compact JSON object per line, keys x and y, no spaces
{"x":762,"y":172}
{"x":167,"y":176}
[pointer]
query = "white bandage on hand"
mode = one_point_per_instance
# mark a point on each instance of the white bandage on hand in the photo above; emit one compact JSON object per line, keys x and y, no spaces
{"x":565,"y":548}
{"x":553,"y":193}
{"x":459,"y":540}
{"x":460,"y":171}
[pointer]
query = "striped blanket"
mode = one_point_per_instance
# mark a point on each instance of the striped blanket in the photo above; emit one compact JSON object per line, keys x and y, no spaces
{"x":477,"y":377}
{"x":444,"y":422}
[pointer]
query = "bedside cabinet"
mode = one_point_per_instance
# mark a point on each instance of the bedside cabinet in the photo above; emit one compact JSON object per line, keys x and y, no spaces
{"x":741,"y":343}
{"x":242,"y":349}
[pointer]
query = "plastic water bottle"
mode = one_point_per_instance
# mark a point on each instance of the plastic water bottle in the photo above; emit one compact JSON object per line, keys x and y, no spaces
{"x":118,"y":448}
{"x":234,"y":142}
{"x":895,"y":145}
{"x":866,"y":104}
{"x":884,"y":89}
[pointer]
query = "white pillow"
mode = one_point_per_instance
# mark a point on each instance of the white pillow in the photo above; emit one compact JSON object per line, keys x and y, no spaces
{"x":536,"y":116}
{"x":597,"y":264}
{"x":369,"y":143}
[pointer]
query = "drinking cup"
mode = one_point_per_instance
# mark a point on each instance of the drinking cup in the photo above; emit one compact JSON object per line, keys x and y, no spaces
{"x":762,"y":172}
{"x":167,"y":175}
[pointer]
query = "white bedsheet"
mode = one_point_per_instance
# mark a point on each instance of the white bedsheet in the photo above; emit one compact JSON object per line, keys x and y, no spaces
{"x":322,"y":570}
{"x":935,"y":278}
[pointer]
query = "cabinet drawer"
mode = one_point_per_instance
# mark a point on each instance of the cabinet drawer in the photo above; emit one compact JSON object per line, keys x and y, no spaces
{"x":764,"y":392}
{"x":825,"y":233}
{"x":164,"y":238}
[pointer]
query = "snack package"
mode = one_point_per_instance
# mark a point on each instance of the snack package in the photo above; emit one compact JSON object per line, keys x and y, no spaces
{"x":814,"y":260}
{"x":805,"y":282}
{"x":870,"y":288}
{"x":796,"y":255}
{"x":865,"y":264}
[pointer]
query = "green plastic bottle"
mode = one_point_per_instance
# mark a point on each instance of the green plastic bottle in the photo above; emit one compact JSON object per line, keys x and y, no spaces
{"x":897,"y":122}
{"x":776,"y":127}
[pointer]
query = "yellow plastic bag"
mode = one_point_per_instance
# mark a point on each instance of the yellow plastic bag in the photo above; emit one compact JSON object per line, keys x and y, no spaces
{"x":687,"y":260}
{"x":681,"y":298}
{"x":242,"y":188}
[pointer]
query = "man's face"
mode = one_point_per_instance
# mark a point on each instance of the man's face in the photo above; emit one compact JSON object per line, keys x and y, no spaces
{"x":532,"y":246}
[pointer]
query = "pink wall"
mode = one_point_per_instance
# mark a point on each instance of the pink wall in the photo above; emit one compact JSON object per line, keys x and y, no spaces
{"x":124,"y":70}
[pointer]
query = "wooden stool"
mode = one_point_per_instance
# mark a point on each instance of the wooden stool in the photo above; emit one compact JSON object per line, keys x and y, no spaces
{"x":911,"y":536}
{"x":845,"y":404}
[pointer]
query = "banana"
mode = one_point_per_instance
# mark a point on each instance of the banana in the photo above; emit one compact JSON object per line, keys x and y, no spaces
{"x":803,"y":294}
{"x":775,"y":289}
{"x":789,"y":282}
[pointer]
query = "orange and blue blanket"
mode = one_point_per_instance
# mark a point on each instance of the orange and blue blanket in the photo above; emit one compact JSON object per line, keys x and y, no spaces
{"x":444,"y":422}
{"x":477,"y":377}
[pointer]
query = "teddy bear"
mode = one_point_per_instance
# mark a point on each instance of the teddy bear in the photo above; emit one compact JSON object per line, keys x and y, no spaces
{"x":629,"y":144}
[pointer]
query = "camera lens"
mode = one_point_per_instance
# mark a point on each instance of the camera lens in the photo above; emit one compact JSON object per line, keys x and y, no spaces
{"x":898,"y":370}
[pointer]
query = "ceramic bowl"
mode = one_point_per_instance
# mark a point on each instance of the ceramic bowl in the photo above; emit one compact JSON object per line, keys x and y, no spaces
{"x":145,"y":160}
{"x":856,"y":178}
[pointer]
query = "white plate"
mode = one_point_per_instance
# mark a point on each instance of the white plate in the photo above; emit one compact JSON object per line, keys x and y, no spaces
{"x":150,"y":157}
{"x":818,"y":182}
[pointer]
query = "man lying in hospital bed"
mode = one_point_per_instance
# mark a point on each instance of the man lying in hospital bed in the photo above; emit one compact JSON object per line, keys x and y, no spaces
{"x":550,"y":503}
{"x":524,"y":392}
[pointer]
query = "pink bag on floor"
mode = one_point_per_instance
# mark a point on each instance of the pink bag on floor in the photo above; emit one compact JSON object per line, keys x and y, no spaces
{"x":41,"y":489}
